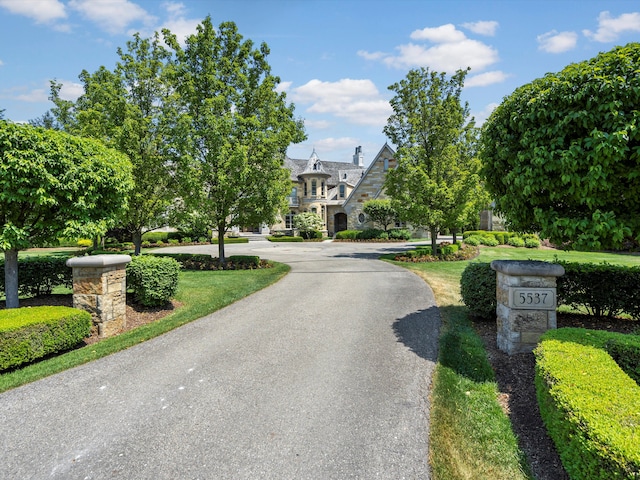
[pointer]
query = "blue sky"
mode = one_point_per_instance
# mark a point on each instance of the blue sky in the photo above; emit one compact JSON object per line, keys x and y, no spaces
{"x":335,"y":58}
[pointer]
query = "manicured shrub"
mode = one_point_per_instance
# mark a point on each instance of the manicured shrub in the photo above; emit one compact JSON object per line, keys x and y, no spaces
{"x":246,"y":261}
{"x":347,"y":235}
{"x":154,"y":237}
{"x":532,"y":243}
{"x":284,"y":238}
{"x":625,"y":350}
{"x":28,"y":334}
{"x":229,"y":240}
{"x":85,"y":243}
{"x":478,"y":289}
{"x":187,"y":240}
{"x":40,"y":275}
{"x":370,"y":234}
{"x":154,"y":280}
{"x":399,"y":234}
{"x":589,"y":405}
{"x":584,"y":286}
{"x":489,"y":241}
{"x":473,"y":240}
{"x":516,"y":242}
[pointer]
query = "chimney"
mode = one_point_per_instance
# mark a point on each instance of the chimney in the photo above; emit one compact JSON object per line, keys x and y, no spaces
{"x":358,"y":158}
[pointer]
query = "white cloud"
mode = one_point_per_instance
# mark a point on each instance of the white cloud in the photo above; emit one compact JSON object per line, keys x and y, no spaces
{"x":42,"y":11}
{"x":487,"y":78}
{"x":114,"y":16}
{"x":452,"y":51}
{"x":319,"y":124}
{"x":331,"y":144}
{"x":554,"y":42}
{"x":69,"y":91}
{"x":36,"y":95}
{"x":371,"y":55}
{"x":481,"y":117}
{"x":283,"y":87}
{"x":358,"y":101}
{"x":177,"y":23}
{"x":1,"y":63}
{"x":487,"y":28}
{"x":443,"y":34}
{"x":609,"y":28}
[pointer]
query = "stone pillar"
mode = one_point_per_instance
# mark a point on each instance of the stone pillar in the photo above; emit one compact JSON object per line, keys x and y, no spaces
{"x":100,"y":288}
{"x":526,"y":302}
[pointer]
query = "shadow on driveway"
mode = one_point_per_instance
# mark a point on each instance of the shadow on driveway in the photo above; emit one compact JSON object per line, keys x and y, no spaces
{"x":419,"y":331}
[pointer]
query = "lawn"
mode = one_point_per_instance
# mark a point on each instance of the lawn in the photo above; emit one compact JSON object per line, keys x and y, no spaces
{"x":471,"y":437}
{"x":199,"y":292}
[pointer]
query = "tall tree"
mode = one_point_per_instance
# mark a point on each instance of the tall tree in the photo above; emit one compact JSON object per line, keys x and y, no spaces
{"x":235,"y":128}
{"x":561,"y":155}
{"x":130,"y":109}
{"x":431,"y":128}
{"x":53,"y":184}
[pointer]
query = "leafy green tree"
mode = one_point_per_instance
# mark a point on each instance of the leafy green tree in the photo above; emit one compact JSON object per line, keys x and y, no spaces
{"x":130,"y":109}
{"x":431,"y":129}
{"x":53,"y":184}
{"x":307,"y":222}
{"x":234,"y":129}
{"x":562,"y":154}
{"x":381,"y":212}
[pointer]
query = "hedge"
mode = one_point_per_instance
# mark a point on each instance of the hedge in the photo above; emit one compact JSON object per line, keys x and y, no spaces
{"x":583,"y":286}
{"x":590,"y":286}
{"x":194,"y":261}
{"x":31,"y":333}
{"x":154,"y":280}
{"x":374,"y":234}
{"x":284,"y":238}
{"x":40,"y":275}
{"x":590,"y":406}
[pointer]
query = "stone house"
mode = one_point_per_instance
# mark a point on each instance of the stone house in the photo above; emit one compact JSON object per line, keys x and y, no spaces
{"x":336,"y":191}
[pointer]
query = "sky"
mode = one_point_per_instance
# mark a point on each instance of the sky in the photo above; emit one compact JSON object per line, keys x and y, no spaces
{"x":335,"y":59}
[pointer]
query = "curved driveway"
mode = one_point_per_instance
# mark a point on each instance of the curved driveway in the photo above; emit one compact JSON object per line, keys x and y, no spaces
{"x":323,"y":375}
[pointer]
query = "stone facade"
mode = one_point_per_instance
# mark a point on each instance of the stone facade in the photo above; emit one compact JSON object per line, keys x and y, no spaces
{"x":526,"y":302}
{"x":336,"y":190}
{"x":100,"y":288}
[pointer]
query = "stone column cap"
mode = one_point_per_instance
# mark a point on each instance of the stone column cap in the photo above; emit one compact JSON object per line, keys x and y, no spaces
{"x":536,"y":268}
{"x":90,"y":261}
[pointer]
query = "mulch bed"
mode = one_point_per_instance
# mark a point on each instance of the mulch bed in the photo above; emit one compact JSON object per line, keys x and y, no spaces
{"x":515,"y":378}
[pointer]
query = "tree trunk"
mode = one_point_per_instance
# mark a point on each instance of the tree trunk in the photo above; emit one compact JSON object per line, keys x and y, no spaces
{"x":434,"y":239}
{"x":11,"y":278}
{"x":455,"y":235}
{"x":221,"y":257}
{"x":137,"y":241}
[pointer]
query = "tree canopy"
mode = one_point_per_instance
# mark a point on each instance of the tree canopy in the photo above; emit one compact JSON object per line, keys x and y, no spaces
{"x":233,"y":129}
{"x":53,"y":184}
{"x":561,"y":155}
{"x":129,"y":109}
{"x":436,"y":182}
{"x":381,"y":212}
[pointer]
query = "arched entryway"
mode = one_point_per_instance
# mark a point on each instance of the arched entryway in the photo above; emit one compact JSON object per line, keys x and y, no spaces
{"x":340,"y":221}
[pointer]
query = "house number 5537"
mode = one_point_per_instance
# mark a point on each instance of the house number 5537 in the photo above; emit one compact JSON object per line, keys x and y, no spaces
{"x":534,"y":298}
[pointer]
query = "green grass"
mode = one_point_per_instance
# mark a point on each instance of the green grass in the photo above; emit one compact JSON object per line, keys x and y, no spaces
{"x":200,"y":292}
{"x":471,"y":437}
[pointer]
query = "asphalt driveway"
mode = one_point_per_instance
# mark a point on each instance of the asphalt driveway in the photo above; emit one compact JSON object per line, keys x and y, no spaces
{"x":324,"y":375}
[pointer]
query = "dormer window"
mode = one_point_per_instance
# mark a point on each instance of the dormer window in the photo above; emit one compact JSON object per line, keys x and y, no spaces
{"x":314,"y":188}
{"x":342,"y":190}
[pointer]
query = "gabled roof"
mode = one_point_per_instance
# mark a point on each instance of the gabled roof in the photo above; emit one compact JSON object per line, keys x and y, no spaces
{"x":334,"y":170}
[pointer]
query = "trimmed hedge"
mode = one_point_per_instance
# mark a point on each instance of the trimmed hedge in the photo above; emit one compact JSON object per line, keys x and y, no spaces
{"x":374,"y":234}
{"x":478,"y":289}
{"x":194,"y":261}
{"x":154,"y":280}
{"x":40,"y":275}
{"x":590,"y":406}
{"x":585,"y":285}
{"x":284,"y":238}
{"x":31,"y":333}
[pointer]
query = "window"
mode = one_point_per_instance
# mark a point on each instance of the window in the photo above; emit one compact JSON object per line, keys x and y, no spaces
{"x":314,"y":188}
{"x":314,"y":210}
{"x":305,"y":189}
{"x":386,"y":164}
{"x":342,"y":190}
{"x":361,"y":218}
{"x":288,"y":220}
{"x":322,"y":189}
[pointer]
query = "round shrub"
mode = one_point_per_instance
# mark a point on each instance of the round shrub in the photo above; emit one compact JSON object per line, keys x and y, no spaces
{"x":399,"y":234}
{"x":489,"y":241}
{"x":478,"y":289}
{"x":532,"y":243}
{"x":516,"y":242}
{"x":473,"y":240}
{"x":154,"y":280}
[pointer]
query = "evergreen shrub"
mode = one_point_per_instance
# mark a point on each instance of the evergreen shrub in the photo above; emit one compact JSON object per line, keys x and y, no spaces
{"x":153,"y":279}
{"x":478,"y":290}
{"x":589,"y":405}
{"x":40,"y":275}
{"x":28,"y":334}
